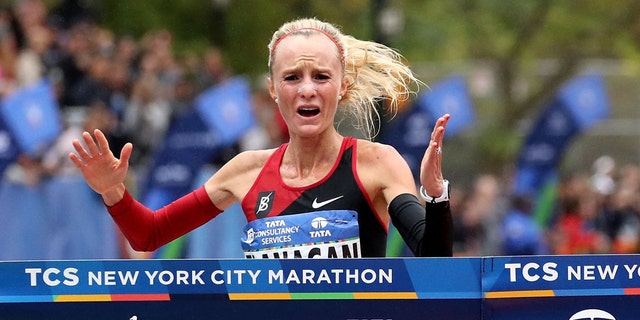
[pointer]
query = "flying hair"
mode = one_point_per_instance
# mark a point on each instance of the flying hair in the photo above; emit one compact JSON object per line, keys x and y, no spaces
{"x":376,"y":74}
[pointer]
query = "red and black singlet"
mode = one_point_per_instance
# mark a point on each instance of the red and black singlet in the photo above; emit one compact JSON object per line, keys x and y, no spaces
{"x":340,"y":189}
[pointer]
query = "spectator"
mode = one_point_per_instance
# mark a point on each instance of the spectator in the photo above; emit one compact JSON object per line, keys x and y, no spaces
{"x":520,"y":233}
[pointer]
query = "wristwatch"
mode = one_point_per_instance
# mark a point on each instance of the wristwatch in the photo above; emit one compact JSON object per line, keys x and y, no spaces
{"x":444,"y":197}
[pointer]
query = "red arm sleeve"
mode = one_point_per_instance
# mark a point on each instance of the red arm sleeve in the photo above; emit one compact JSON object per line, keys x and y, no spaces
{"x":147,"y":230}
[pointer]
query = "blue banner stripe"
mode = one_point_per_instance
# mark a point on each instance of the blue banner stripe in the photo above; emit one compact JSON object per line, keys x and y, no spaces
{"x":589,"y":292}
{"x":25,"y":298}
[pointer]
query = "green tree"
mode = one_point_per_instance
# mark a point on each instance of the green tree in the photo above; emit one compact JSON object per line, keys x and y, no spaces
{"x":531,"y":46}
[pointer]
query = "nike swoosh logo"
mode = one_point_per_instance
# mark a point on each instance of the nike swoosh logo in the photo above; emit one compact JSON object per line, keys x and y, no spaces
{"x":317,"y":204}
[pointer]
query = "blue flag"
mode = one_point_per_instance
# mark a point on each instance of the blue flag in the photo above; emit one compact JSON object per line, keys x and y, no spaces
{"x":227,"y":109}
{"x":188,"y":145}
{"x":586,"y":98}
{"x":449,"y":96}
{"x":220,"y":117}
{"x":8,"y":147}
{"x":33,"y":117}
{"x":409,"y":132}
{"x":577,"y":106}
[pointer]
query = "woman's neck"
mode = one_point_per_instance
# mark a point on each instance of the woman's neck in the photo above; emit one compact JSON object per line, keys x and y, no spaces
{"x":308,"y":160}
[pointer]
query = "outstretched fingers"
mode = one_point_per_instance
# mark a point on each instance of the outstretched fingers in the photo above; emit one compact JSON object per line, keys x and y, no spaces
{"x":103,"y":144}
{"x":431,"y":170}
{"x":82,"y":156}
{"x":437,"y":137}
{"x":92,"y":148}
{"x":438,"y":130}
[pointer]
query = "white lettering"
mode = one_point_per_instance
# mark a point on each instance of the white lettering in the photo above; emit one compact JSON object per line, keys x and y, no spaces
{"x":531,"y":271}
{"x":386,"y":277}
{"x":513,"y":267}
{"x":333,"y":276}
{"x":46,"y":277}
{"x":239,"y":273}
{"x":165,"y":277}
{"x":631,"y":269}
{"x":214,"y":277}
{"x":307,"y":276}
{"x":275,"y":223}
{"x":71,"y":277}
{"x":68,"y":274}
{"x":254,"y":275}
{"x":323,"y":277}
{"x":293,"y":277}
{"x":196,"y":277}
{"x":337,"y":273}
{"x":573,"y":273}
{"x":182,"y":277}
{"x":608,"y":272}
{"x":110,"y":278}
{"x":33,"y":275}
{"x":525,"y":272}
{"x":550,"y":272}
{"x":151,"y":276}
{"x":588,"y":272}
{"x":276,"y":276}
{"x":351,"y":275}
{"x":368,"y":276}
{"x":319,"y":233}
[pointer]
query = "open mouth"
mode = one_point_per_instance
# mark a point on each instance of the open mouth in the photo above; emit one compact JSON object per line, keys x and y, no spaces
{"x":308,"y":112}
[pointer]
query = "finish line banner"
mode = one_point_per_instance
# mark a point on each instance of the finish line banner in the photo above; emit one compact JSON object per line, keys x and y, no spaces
{"x":531,"y":287}
{"x":239,"y":289}
{"x":562,"y":287}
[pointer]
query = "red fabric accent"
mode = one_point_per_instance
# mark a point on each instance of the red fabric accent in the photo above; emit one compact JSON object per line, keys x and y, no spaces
{"x":271,"y":174}
{"x":354,"y":161}
{"x":147,"y":230}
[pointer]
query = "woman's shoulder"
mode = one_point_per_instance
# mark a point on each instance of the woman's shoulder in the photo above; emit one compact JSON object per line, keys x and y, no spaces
{"x":253,"y":158}
{"x":245,"y":166}
{"x":375,"y":151}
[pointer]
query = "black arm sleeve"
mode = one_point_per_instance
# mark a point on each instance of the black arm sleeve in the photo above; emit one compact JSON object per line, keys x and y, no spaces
{"x":428,"y":234}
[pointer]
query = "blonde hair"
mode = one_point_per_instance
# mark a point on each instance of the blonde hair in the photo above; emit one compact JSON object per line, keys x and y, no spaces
{"x":374,"y":71}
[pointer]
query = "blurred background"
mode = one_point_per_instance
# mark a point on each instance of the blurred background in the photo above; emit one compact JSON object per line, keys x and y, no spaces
{"x":543,"y":148}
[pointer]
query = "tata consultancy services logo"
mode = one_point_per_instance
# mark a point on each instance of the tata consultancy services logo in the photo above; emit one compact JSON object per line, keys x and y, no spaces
{"x":592,"y":314}
{"x":250,"y":236}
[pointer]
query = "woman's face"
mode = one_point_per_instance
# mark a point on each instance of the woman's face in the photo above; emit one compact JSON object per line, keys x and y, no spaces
{"x":307,"y":78}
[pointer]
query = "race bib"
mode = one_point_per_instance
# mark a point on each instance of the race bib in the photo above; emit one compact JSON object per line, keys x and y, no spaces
{"x":320,"y":234}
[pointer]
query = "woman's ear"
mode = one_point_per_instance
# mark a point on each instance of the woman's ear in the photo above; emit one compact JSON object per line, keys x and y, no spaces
{"x":272,"y":90}
{"x":343,"y":86}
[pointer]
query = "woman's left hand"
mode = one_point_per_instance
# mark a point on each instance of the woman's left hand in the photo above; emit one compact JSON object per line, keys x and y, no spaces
{"x":431,"y":166}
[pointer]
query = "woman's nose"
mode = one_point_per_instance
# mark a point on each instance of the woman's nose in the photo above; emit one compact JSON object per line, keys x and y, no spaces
{"x":307,"y":88}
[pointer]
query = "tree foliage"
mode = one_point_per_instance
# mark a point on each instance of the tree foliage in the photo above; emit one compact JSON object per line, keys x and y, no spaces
{"x":531,"y":48}
{"x":526,"y":49}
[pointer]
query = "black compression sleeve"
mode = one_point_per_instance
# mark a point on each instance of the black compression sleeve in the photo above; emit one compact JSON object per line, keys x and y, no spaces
{"x":427,"y":234}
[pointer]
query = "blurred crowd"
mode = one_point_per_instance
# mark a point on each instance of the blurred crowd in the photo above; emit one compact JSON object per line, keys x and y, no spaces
{"x":595,"y":212}
{"x":133,"y":89}
{"x":130,"y":88}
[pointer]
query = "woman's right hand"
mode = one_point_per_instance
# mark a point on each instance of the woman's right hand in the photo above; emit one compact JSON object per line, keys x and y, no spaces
{"x":103,"y":172}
